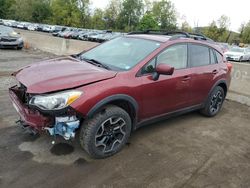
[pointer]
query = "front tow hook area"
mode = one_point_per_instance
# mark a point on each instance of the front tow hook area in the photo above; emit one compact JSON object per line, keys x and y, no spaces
{"x":65,"y":127}
{"x":27,"y":128}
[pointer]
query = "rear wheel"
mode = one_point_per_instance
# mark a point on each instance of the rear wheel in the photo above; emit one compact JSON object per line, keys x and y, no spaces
{"x":241,"y":59}
{"x":106,"y":133}
{"x":214,"y":102}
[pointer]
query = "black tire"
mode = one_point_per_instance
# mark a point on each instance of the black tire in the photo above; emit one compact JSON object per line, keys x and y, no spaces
{"x":240,"y":60}
{"x":214,"y":102}
{"x":106,"y":133}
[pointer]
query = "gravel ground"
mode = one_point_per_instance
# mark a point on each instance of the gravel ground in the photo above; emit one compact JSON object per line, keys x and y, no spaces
{"x":187,"y":151}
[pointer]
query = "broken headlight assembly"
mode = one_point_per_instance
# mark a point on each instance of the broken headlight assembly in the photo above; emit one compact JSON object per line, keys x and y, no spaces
{"x":56,"y":101}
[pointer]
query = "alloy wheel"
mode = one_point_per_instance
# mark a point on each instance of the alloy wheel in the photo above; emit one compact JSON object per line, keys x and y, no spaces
{"x":216,"y":102}
{"x":110,"y":134}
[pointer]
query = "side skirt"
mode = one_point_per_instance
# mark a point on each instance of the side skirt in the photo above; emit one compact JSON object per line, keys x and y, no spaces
{"x":168,"y":115}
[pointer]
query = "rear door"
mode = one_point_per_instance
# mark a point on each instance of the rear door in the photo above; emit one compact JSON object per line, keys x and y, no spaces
{"x":204,"y":69}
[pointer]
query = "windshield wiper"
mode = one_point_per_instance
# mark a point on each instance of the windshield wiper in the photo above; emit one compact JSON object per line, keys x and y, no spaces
{"x":96,"y":63}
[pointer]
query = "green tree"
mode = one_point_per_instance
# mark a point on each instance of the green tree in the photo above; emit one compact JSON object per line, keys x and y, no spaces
{"x":186,"y":27}
{"x":219,"y":31}
{"x":165,"y":14}
{"x":66,"y":12}
{"x":97,"y":20}
{"x":246,"y":34}
{"x":212,"y":31}
{"x":130,"y":15}
{"x":223,"y":28}
{"x":30,"y":10}
{"x":148,"y":22}
{"x":5,"y":8}
{"x":21,"y":10}
{"x":84,"y":12}
{"x":112,"y":12}
{"x":41,"y":11}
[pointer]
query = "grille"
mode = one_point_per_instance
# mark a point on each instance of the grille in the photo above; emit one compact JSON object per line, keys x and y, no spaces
{"x":8,"y":39}
{"x":24,"y":96}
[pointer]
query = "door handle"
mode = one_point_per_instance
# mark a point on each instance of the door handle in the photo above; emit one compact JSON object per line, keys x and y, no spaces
{"x":186,"y":78}
{"x":215,"y":71}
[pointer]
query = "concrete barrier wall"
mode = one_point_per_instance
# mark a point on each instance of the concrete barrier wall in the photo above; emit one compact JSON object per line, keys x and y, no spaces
{"x":59,"y":46}
{"x":240,"y":86}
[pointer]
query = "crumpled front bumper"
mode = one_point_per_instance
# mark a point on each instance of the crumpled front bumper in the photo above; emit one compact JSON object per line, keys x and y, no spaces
{"x":29,"y":117}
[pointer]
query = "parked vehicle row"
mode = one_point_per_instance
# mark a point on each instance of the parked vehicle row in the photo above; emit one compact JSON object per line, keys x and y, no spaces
{"x":65,"y":32}
{"x":233,"y":53}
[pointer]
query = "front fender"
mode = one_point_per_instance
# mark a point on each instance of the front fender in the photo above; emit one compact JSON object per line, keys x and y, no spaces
{"x":110,"y":99}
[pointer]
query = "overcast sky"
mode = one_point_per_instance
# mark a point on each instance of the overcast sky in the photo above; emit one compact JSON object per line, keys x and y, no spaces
{"x":202,"y":12}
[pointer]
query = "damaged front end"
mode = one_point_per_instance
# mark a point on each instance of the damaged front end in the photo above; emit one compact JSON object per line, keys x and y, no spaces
{"x":64,"y":126}
{"x":49,"y":112}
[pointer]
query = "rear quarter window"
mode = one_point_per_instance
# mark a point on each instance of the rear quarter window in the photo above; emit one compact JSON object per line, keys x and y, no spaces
{"x":213,"y":58}
{"x":219,"y":57}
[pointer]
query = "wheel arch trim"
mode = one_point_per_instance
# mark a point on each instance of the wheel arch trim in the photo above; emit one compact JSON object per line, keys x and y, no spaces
{"x":110,"y":99}
{"x":215,"y":85}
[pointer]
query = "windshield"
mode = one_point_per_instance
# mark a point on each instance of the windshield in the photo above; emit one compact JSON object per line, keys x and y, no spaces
{"x":237,"y":50}
{"x":122,"y":53}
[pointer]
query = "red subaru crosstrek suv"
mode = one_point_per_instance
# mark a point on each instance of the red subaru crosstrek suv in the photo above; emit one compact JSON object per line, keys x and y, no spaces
{"x":108,"y":91}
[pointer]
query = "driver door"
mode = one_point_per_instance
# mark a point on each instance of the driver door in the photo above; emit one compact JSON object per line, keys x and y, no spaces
{"x":170,"y":92}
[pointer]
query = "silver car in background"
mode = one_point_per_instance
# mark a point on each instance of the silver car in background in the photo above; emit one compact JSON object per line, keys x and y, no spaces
{"x":9,"y":38}
{"x":238,"y":54}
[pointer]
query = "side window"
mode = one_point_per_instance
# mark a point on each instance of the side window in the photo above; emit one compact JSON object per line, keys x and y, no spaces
{"x":219,"y":57}
{"x":174,"y":56}
{"x":199,"y":55}
{"x":149,"y":67}
{"x":213,"y":59}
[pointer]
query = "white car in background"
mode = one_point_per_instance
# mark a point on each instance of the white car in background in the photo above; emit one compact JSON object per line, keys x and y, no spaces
{"x":238,"y":54}
{"x":32,"y":27}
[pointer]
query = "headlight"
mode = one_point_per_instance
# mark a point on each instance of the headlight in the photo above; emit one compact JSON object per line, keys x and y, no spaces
{"x":55,"y":101}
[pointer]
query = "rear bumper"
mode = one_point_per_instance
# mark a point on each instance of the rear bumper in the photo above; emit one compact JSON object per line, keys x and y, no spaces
{"x":29,"y":117}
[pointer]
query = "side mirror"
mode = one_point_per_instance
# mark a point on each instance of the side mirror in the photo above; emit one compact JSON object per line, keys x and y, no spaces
{"x":163,"y":69}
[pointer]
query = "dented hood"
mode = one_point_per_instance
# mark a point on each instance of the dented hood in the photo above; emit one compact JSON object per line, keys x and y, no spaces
{"x":59,"y":74}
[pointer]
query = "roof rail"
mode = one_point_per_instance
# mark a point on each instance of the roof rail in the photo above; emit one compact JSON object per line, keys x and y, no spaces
{"x":174,"y":34}
{"x":159,"y":32}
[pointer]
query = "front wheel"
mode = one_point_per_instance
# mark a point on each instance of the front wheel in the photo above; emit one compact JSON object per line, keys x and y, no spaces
{"x":106,"y":133}
{"x":214,"y":102}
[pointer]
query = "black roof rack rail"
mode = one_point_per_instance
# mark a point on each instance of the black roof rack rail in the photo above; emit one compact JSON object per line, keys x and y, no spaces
{"x":175,"y":34}
{"x":159,"y":32}
{"x":199,"y":36}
